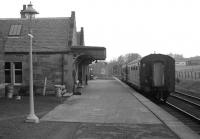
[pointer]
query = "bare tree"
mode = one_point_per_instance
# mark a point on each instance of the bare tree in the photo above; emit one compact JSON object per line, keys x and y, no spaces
{"x":176,"y":56}
{"x":121,"y":60}
{"x":115,"y":65}
{"x":131,"y":56}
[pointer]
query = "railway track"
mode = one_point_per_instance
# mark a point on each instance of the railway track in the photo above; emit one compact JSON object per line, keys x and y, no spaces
{"x":182,"y":106}
{"x":186,"y":108}
{"x":185,"y":103}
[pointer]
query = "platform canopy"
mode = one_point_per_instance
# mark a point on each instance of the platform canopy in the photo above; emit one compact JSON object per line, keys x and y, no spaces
{"x":89,"y":53}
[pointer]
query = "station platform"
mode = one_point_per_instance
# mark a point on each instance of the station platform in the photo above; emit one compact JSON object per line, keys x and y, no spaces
{"x":109,"y":109}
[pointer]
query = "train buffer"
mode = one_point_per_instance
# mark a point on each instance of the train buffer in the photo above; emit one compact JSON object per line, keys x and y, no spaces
{"x":109,"y":108}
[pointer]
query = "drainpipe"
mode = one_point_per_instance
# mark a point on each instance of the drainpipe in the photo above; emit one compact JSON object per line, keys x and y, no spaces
{"x":62,"y":68}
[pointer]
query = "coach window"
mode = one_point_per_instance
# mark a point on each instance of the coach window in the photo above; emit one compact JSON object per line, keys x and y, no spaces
{"x":13,"y":72}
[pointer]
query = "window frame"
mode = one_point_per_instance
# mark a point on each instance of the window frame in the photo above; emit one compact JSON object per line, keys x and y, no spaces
{"x":19,"y":69}
{"x":7,"y":69}
{"x":15,"y":30}
{"x":13,"y":73}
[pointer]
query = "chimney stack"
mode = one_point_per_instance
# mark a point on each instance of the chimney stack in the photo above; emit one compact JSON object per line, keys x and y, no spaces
{"x":72,"y":19}
{"x":82,"y":43}
{"x":22,"y":13}
{"x":73,"y":14}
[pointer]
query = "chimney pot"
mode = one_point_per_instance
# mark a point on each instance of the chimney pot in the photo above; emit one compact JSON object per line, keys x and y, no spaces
{"x":22,"y":12}
{"x":82,"y":43}
{"x":73,"y":14}
{"x":24,"y":7}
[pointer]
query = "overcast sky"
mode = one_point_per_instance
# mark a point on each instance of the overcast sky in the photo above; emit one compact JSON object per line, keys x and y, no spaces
{"x":126,"y":26}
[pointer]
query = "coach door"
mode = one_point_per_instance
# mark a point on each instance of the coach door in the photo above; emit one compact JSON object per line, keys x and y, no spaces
{"x":158,"y":74}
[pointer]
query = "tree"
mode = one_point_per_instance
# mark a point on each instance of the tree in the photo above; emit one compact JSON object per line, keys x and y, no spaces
{"x":176,"y":56}
{"x":115,"y":65}
{"x":121,"y":60}
{"x":131,"y":56}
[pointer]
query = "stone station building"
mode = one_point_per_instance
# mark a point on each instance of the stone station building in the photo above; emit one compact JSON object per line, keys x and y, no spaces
{"x":59,"y":52}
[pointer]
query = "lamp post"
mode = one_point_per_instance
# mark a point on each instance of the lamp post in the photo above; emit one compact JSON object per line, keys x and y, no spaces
{"x":30,"y":13}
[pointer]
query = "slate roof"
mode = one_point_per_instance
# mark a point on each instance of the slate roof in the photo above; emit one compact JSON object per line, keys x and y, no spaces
{"x":50,"y":34}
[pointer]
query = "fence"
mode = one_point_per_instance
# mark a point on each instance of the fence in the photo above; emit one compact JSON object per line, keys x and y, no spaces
{"x":188,"y":75}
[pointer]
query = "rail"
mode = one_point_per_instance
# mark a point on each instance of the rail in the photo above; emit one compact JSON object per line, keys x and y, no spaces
{"x":188,"y":104}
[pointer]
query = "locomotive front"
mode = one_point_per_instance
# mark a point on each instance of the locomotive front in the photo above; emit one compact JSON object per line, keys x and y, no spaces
{"x":157,"y":75}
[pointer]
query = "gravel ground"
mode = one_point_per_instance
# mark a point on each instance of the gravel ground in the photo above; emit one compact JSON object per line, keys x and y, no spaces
{"x":193,"y":86}
{"x":13,"y":114}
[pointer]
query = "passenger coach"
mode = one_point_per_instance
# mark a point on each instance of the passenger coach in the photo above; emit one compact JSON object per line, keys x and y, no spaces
{"x":153,"y":74}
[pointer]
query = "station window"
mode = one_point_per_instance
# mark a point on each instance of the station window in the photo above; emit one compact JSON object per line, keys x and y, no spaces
{"x":7,"y":68}
{"x":13,"y":72}
{"x":18,"y":72}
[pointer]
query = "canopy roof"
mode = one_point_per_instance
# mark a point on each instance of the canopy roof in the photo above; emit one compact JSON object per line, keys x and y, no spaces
{"x":88,"y":53}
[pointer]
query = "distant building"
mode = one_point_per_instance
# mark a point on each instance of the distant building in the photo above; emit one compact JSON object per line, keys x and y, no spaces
{"x":59,"y":52}
{"x":99,"y":69}
{"x":180,"y":63}
{"x":193,"y":62}
{"x":188,"y":62}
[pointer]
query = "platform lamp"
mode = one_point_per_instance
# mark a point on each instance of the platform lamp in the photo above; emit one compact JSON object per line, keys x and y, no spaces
{"x":30,"y":13}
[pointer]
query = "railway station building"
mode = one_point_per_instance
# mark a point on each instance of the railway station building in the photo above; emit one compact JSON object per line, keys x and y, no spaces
{"x":59,"y":52}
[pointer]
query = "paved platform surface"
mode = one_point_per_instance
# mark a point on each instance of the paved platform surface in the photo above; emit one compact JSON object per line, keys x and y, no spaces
{"x":108,"y":110}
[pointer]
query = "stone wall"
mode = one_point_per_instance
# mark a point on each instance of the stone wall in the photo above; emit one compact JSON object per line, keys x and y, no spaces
{"x":49,"y":66}
{"x":2,"y":86}
{"x":68,"y":69}
{"x":57,"y":68}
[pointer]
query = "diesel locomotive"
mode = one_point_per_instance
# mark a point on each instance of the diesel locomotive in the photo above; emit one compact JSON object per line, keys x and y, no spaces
{"x":153,"y":75}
